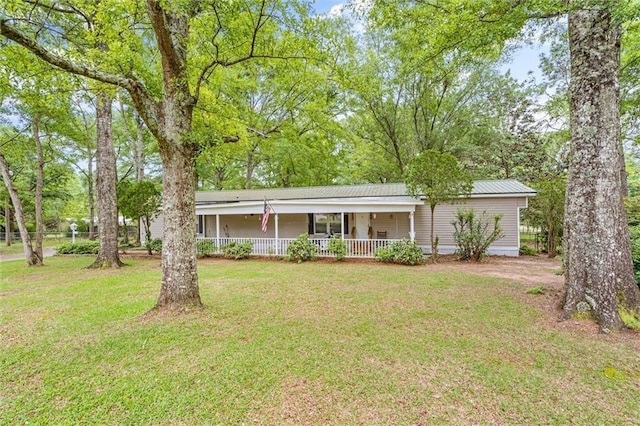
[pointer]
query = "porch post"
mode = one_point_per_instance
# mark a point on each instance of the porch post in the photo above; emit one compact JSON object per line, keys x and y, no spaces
{"x":342,"y":225}
{"x":412,"y":229}
{"x":218,"y":230}
{"x":277,"y":243}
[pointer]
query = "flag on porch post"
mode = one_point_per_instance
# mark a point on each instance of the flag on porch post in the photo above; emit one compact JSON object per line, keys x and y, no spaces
{"x":265,"y":216}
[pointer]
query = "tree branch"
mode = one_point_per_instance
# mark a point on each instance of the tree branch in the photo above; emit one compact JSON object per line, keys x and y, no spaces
{"x":145,"y":105}
{"x":171,"y":49}
{"x":59,"y":62}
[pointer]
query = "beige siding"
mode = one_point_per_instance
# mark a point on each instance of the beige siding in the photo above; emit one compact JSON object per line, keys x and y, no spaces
{"x":249,"y":226}
{"x":157,"y":228}
{"x":445,"y":213}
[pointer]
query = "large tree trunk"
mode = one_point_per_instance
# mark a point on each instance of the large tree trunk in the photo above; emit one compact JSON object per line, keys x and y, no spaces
{"x":30,"y":255}
{"x":39,"y":186}
{"x":179,"y":288}
{"x":599,"y":270}
{"x":106,"y":187}
{"x":179,"y":269}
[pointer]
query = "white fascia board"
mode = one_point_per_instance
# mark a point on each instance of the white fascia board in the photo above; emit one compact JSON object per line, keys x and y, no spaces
{"x":310,"y":206}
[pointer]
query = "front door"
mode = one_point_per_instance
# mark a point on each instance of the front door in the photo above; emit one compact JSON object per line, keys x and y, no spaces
{"x":362,"y":226}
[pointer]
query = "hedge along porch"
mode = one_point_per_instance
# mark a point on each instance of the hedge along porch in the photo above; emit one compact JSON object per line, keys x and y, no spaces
{"x":365,"y":216}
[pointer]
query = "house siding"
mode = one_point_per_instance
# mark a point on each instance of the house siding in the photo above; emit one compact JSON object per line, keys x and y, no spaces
{"x":445,"y":214}
{"x":156,"y":228}
{"x":250,"y":226}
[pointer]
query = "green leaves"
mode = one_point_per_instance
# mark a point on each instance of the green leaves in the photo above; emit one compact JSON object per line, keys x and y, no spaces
{"x":438,"y":177}
{"x":139,"y":199}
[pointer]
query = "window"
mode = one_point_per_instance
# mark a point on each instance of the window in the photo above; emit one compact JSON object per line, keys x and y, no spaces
{"x":200,"y":229}
{"x":327,"y":223}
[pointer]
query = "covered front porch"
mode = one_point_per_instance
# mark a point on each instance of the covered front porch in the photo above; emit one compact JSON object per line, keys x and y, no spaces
{"x":364,"y":224}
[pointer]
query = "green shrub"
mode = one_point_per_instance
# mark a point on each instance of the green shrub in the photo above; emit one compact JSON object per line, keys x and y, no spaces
{"x":302,"y":249}
{"x":338,"y":247}
{"x":473,"y":235}
{"x":205,"y":248}
{"x":404,"y":252}
{"x":526,"y":250}
{"x":154,"y":245}
{"x":385,"y":254}
{"x":85,"y":247}
{"x":237,"y":250}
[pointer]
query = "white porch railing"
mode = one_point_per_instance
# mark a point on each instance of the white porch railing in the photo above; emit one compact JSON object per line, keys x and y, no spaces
{"x":272,"y":247}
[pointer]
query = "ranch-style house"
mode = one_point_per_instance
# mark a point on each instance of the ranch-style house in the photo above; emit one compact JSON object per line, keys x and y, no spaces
{"x":365,"y":216}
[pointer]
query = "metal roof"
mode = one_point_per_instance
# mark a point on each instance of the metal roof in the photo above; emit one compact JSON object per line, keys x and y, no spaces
{"x":486,"y":188}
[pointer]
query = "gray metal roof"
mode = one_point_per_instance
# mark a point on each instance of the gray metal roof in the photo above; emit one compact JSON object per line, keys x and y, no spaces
{"x":480,"y":188}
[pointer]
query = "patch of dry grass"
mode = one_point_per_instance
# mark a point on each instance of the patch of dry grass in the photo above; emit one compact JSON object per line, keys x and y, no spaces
{"x":281,"y":343}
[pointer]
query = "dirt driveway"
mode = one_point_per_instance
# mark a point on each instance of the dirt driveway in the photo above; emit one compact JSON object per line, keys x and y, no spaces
{"x":529,"y":270}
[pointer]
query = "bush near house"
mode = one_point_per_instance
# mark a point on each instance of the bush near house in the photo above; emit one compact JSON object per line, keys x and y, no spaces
{"x":338,"y":247}
{"x":302,"y":249}
{"x":403,"y":252}
{"x":205,"y":248}
{"x":237,"y":250}
{"x":474,"y":234}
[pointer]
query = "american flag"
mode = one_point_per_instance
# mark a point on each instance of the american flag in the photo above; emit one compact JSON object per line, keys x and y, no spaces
{"x":265,"y":217}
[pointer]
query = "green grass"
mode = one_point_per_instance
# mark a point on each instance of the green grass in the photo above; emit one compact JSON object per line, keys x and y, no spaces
{"x":281,"y":343}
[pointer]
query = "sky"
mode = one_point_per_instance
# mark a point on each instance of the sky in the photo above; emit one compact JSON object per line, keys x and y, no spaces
{"x":524,"y":60}
{"x":324,"y":6}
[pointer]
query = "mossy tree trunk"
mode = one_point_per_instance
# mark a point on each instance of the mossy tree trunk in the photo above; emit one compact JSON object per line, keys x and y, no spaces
{"x":599,"y":269}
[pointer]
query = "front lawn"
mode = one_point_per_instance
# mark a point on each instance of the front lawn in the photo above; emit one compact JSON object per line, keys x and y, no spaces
{"x":282,"y":343}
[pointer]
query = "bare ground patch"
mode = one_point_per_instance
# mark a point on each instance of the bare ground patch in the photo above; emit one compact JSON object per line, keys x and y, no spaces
{"x":532,"y":272}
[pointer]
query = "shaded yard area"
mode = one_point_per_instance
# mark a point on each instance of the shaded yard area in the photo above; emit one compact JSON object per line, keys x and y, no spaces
{"x":318,"y":343}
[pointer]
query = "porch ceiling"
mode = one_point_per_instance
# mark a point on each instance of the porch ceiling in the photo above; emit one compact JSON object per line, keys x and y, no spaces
{"x":326,"y":205}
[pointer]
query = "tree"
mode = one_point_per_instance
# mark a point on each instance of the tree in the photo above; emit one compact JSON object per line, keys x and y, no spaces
{"x":439,"y":178}
{"x":140,"y":200}
{"x":599,"y":268}
{"x":34,"y":258}
{"x":106,"y":185}
{"x":192,"y":40}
